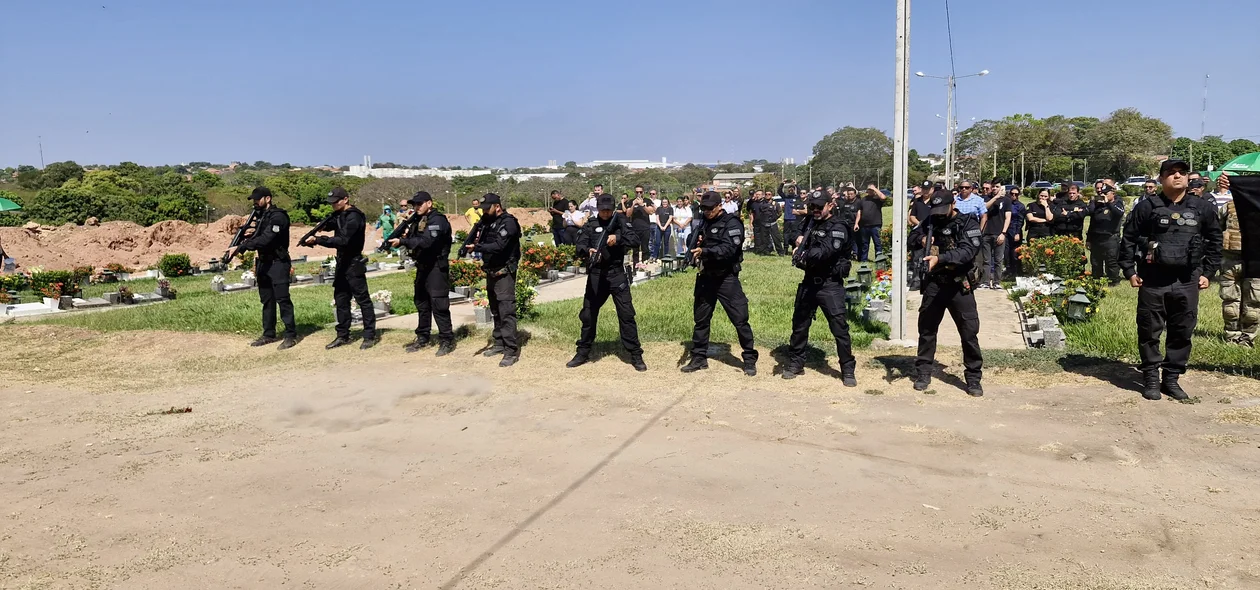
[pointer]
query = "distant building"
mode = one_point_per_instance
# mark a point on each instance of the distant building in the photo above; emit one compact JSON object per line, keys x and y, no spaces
{"x":633,"y":164}
{"x":726,"y":180}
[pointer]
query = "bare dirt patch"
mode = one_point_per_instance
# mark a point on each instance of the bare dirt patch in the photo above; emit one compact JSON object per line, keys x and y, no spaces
{"x":382,"y":469}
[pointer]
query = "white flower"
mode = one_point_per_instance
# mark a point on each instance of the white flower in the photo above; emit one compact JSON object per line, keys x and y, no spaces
{"x":217,"y":280}
{"x":383,"y":296}
{"x":247,"y":276}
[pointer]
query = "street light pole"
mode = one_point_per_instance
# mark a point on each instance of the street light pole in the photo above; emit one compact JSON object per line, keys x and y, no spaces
{"x":951,"y":122}
{"x":901,"y":158}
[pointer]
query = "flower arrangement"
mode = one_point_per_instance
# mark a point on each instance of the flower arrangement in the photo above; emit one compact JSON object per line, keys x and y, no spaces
{"x":1063,"y":256}
{"x":217,"y":280}
{"x":125,"y":295}
{"x":480,"y":298}
{"x":881,"y":288}
{"x":164,"y":284}
{"x":116,"y":268}
{"x":539,"y":259}
{"x":51,"y":291}
{"x":465,"y":273}
{"x":640,"y":267}
{"x":383,"y":296}
{"x":248,"y":276}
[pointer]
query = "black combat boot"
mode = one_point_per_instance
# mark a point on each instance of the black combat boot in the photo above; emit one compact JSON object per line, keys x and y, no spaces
{"x":974,"y":389}
{"x":445,"y":348}
{"x":750,"y":368}
{"x":509,"y":360}
{"x":287,"y":344}
{"x":1171,"y":388}
{"x":340,"y":341}
{"x":495,"y":350}
{"x":922,"y":382}
{"x":696,"y":364}
{"x":263,"y":341}
{"x":417,"y":344}
{"x":579,"y":359}
{"x":1150,"y":385}
{"x":793,"y":371}
{"x":847,"y":375}
{"x":636,"y":361}
{"x":369,"y":342}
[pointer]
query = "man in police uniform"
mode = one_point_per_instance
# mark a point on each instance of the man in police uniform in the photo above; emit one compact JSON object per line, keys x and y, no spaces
{"x":719,"y":252}
{"x":1069,"y":211}
{"x":1171,"y":247}
{"x":271,"y":268}
{"x":498,"y":241}
{"x":430,"y":245}
{"x":350,"y":276}
{"x":951,"y":242}
{"x":822,"y":251}
{"x":602,"y":243}
{"x":919,"y":213}
{"x":1106,"y":214}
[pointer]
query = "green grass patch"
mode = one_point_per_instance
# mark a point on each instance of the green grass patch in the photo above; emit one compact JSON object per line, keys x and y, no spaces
{"x":1112,"y":334}
{"x":663,"y":309}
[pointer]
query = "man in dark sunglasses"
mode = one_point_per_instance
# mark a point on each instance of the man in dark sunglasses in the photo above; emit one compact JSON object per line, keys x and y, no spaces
{"x":718,"y":251}
{"x":822,"y":251}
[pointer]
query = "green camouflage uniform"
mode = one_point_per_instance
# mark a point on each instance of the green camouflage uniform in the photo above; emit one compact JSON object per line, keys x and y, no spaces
{"x":1240,"y":296}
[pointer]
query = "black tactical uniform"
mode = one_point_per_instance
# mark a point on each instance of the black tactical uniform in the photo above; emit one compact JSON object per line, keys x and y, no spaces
{"x":606,"y":277}
{"x":720,"y":241}
{"x":1103,"y":238}
{"x":1169,"y":245}
{"x":955,"y":240}
{"x":1069,"y":215}
{"x":271,"y":270}
{"x":824,"y":256}
{"x":430,"y":247}
{"x":498,"y":240}
{"x":350,"y":277}
{"x":849,"y":211}
{"x":766,"y":235}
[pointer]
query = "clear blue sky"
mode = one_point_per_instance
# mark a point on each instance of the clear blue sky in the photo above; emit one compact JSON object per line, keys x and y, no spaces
{"x":509,"y":83}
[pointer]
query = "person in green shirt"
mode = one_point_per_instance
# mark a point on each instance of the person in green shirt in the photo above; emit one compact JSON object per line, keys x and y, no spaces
{"x":386,"y":224}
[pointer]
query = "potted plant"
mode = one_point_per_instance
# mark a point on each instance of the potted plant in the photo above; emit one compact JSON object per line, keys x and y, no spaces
{"x":481,"y":308}
{"x":218,"y":284}
{"x":126,"y":296}
{"x":640,"y":271}
{"x":164,"y":288}
{"x":248,"y":278}
{"x":381,"y":301}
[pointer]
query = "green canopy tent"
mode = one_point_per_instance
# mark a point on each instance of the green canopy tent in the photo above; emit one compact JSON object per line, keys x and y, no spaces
{"x":7,"y":205}
{"x":1244,"y":164}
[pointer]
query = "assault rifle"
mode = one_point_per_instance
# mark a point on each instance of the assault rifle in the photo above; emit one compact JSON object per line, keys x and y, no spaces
{"x":405,"y":229}
{"x":474,"y":236}
{"x":251,"y":222}
{"x":602,"y":249}
{"x":323,"y":225}
{"x":927,"y":251}
{"x":798,"y":254}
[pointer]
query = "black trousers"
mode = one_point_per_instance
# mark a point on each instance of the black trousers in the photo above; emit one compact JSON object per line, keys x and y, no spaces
{"x":502,"y":296}
{"x":791,"y":230}
{"x":724,"y":288}
{"x":600,"y":286}
{"x":1172,"y":306}
{"x":940,"y":295}
{"x":571,"y":234}
{"x":433,"y":302}
{"x":1014,"y":268}
{"x":1104,"y":256}
{"x":350,"y":280}
{"x":273,"y":295}
{"x":811,"y":294}
{"x":641,"y":252}
{"x":768,"y":239}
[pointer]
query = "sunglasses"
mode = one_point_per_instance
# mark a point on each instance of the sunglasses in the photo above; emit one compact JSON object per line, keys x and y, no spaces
{"x":707,"y":208}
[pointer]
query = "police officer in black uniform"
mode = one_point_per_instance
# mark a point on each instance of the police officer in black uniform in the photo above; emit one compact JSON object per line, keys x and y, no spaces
{"x":497,"y":237}
{"x":951,"y":242}
{"x":602,"y":243}
{"x":1106,"y":214}
{"x":719,"y":252}
{"x":822,"y":251}
{"x":350,"y":277}
{"x":271,"y":268}
{"x":1171,"y":247}
{"x":430,"y":245}
{"x":919,"y":213}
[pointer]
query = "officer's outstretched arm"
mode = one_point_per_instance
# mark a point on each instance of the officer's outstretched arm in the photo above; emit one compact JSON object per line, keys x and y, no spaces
{"x":1213,"y":241}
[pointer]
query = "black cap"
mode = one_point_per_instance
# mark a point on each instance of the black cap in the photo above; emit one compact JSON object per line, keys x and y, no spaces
{"x":938,"y":186}
{"x":337,"y":194}
{"x":605,"y":203}
{"x":941,"y":203}
{"x":1167,"y":165}
{"x":926,"y":184}
{"x":420,"y":197}
{"x":490,"y":199}
{"x":817,"y":199}
{"x":259,"y":193}
{"x":710,"y":199}
{"x":1197,"y":183}
{"x":1106,"y":188}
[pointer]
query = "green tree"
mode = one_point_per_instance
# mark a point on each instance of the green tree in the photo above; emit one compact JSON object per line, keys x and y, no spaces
{"x":57,"y":173}
{"x":692,"y":176}
{"x":1243,"y":146}
{"x":861,"y":155}
{"x":1126,"y":143}
{"x":206,"y":180}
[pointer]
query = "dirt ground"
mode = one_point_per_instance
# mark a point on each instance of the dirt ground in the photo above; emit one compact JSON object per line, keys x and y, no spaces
{"x":68,"y":246}
{"x":349,"y":469}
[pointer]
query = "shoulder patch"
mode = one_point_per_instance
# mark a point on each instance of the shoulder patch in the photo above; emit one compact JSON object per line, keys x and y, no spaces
{"x":973,"y":233}
{"x":835,"y":233}
{"x":503,"y":232}
{"x":435,"y":226}
{"x":275,"y":228}
{"x":733,"y":232}
{"x":599,"y":230}
{"x":713,"y":231}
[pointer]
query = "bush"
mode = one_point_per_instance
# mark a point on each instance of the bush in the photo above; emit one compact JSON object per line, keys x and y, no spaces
{"x":460,"y":236}
{"x":570,"y":255}
{"x":82,"y":273}
{"x":540,"y":259}
{"x":1063,"y":256}
{"x":466,"y":273}
{"x":247,"y":259}
{"x":175,"y":265}
{"x":13,"y":282}
{"x":526,"y":293}
{"x":116,"y":268}
{"x":43,"y":280}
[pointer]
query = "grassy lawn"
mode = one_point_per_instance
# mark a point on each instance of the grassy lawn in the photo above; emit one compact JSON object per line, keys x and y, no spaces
{"x":1112,"y":334}
{"x":663,"y":311}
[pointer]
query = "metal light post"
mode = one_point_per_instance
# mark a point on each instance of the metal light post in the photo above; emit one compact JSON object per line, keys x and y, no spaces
{"x":901,"y":169}
{"x":951,"y":122}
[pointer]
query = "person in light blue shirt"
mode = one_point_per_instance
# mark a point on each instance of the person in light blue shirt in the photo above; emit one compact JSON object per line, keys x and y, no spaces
{"x":968,"y":202}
